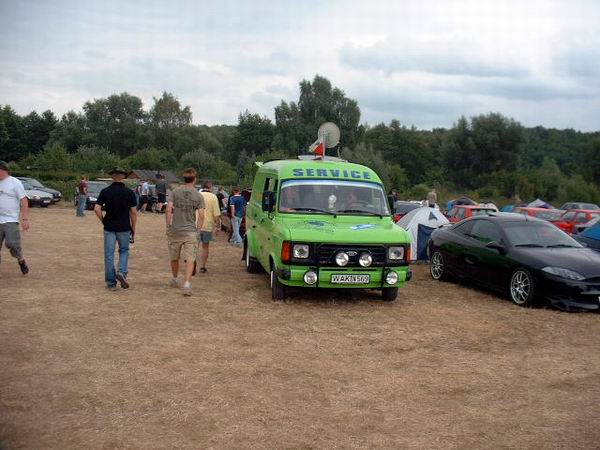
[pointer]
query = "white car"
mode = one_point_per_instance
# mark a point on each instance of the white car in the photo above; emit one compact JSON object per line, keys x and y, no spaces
{"x":35,"y":196}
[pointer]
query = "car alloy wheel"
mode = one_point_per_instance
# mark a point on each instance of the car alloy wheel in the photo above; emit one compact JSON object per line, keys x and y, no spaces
{"x":522,"y":288}
{"x":436,"y":266}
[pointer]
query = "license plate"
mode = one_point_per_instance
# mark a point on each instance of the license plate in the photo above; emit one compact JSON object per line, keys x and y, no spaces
{"x":45,"y":201}
{"x":350,"y":279}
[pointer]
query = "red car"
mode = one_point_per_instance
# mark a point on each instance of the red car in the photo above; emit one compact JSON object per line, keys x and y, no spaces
{"x":460,"y":212}
{"x":574,"y":217}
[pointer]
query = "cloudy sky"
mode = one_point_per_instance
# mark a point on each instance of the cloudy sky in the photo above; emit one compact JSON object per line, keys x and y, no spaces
{"x":424,"y":62}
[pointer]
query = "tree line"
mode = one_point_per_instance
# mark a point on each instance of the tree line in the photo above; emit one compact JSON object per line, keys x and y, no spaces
{"x":487,"y":156}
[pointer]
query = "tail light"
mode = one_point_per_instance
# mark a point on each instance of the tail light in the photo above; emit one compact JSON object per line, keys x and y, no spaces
{"x":286,"y":252}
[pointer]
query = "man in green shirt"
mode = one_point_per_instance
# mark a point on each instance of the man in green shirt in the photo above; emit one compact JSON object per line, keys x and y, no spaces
{"x":185,"y":215}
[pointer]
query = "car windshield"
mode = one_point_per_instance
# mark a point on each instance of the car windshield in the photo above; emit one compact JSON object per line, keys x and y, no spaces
{"x":333,"y":197}
{"x":26,"y":185}
{"x":529,"y":234}
{"x":548,"y":214}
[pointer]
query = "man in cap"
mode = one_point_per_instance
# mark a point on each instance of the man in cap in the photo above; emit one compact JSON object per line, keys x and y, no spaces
{"x":119,"y":226}
{"x":14,"y":205}
{"x":185,"y":215}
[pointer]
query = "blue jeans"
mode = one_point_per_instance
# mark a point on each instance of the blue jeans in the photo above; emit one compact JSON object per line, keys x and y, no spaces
{"x":110,"y":242}
{"x":81,"y":199}
{"x":235,"y":224}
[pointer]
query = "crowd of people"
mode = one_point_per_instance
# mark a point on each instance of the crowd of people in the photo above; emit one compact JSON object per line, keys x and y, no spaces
{"x":193,"y":219}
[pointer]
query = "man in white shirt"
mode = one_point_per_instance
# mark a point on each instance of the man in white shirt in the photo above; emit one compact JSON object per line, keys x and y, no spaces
{"x":13,"y":203}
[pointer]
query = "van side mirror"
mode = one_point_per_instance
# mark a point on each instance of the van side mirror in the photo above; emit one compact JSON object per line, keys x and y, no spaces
{"x":496,"y":246}
{"x":269,"y":199}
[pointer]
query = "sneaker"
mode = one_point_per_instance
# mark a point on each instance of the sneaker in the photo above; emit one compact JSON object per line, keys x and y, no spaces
{"x":174,"y":283}
{"x":112,"y":288}
{"x":187,"y":291}
{"x":24,"y":268}
{"x":122,"y":280}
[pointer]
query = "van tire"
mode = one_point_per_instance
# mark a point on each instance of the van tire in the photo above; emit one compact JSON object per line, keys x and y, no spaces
{"x":278,"y":290}
{"x":252,"y":265}
{"x":389,"y":294}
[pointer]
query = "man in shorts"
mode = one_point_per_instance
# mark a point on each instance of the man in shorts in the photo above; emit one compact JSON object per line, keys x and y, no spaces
{"x":185,"y":215}
{"x":14,"y":205}
{"x":212,"y":222}
{"x":161,"y":192}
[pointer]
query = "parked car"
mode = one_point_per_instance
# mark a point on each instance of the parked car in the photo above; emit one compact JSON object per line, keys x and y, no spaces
{"x":570,"y":219}
{"x":401,"y":208}
{"x":94,"y":188}
{"x":541,"y":213}
{"x":525,"y":257}
{"x":56,"y":195}
{"x":36,"y":197}
{"x":460,"y":212}
{"x":579,"y":205}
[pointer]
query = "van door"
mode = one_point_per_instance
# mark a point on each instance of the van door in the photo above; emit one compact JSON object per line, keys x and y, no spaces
{"x":264,"y":224}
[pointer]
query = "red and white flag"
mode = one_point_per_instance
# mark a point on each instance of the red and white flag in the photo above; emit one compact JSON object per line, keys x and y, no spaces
{"x":318,"y":148}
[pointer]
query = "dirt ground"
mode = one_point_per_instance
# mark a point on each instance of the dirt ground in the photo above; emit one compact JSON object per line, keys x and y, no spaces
{"x":443,"y":367}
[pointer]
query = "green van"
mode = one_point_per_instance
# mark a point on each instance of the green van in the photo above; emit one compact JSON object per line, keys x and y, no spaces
{"x":324,"y":223}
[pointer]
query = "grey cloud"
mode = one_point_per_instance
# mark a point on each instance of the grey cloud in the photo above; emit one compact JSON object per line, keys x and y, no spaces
{"x":391,"y":58}
{"x":278,"y":62}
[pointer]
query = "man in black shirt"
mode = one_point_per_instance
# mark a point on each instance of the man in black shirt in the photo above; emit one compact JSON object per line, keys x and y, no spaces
{"x":119,"y":226}
{"x":161,"y":192}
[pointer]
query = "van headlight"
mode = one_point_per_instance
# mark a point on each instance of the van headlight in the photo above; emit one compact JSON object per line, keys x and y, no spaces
{"x":396,"y":253}
{"x":365,"y":260}
{"x":301,"y":251}
{"x":391,"y":277}
{"x":342,"y":258}
{"x":563,"y":273}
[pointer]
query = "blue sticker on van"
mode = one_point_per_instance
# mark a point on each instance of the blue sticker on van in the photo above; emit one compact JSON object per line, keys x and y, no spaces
{"x":365,"y":226}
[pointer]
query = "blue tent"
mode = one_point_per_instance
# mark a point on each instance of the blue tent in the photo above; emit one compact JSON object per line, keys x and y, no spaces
{"x":507,"y":208}
{"x":592,"y":232}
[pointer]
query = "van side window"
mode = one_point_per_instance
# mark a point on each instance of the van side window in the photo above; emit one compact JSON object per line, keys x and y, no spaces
{"x":267,"y":184}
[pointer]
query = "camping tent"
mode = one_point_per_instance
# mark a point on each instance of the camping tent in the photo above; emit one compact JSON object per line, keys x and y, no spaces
{"x":539,"y":203}
{"x":420,"y":223}
{"x":507,"y":208}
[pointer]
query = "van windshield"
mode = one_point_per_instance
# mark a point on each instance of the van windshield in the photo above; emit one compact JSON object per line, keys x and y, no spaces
{"x":333,"y":196}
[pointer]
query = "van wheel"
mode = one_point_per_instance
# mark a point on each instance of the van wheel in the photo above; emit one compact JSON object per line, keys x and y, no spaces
{"x":278,"y":290}
{"x":389,"y":294}
{"x":252,"y":265}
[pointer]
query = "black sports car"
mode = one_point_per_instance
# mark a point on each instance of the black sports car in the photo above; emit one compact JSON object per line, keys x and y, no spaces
{"x":528,"y":258}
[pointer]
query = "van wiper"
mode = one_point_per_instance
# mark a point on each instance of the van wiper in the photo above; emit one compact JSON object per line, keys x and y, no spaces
{"x":529,"y":245}
{"x":364,"y":211}
{"x":333,"y":213}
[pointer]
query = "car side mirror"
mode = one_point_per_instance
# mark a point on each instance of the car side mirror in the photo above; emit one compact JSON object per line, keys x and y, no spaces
{"x":496,"y":246}
{"x":268,"y":201}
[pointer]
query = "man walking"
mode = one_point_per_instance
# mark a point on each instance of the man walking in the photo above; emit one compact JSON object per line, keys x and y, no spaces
{"x":212,"y":222}
{"x":144,"y":193}
{"x":161,"y":192}
{"x":238,"y":209}
{"x":185,"y":215}
{"x":119,"y":227}
{"x":13,"y":203}
{"x":82,"y":194}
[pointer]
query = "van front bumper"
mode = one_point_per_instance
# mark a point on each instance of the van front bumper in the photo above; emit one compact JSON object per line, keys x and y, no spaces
{"x":294,"y":276}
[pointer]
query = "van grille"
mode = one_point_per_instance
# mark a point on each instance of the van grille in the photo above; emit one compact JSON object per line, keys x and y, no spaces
{"x":326,"y":254}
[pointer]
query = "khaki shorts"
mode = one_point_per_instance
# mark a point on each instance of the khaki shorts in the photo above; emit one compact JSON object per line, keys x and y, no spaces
{"x":183,"y":245}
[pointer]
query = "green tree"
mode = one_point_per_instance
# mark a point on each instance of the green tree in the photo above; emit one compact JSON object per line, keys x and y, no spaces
{"x":254,"y":135}
{"x":12,"y":140}
{"x":297,"y":124}
{"x":208,"y":167}
{"x":94,"y":160}
{"x":71,"y":132}
{"x":116,"y":123}
{"x":38,"y":129}
{"x":151,"y":159}
{"x":167,"y":119}
{"x":54,"y":158}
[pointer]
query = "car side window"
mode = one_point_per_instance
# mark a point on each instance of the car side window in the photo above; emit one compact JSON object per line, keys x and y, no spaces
{"x":581,"y":218}
{"x":452,"y":212}
{"x":461,"y":213}
{"x":485,"y":231}
{"x":568,"y":216}
{"x":464,"y":228}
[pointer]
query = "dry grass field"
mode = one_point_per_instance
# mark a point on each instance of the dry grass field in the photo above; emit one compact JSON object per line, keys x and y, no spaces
{"x":444,"y":367}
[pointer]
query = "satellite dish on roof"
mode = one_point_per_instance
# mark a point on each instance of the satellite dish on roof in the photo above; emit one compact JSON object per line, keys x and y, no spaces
{"x":329,"y":134}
